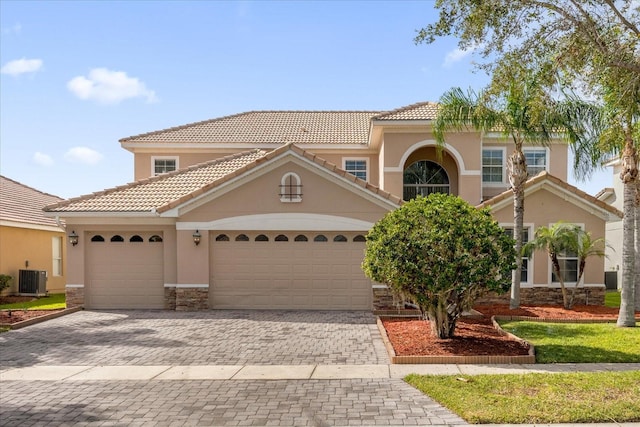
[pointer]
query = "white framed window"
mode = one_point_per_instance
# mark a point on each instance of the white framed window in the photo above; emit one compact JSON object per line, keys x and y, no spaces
{"x":537,"y":160}
{"x":56,"y":255}
{"x":527,"y":263}
{"x":290,"y":188}
{"x":163,"y":164}
{"x":568,"y":266}
{"x":356,"y":166}
{"x":493,"y":165}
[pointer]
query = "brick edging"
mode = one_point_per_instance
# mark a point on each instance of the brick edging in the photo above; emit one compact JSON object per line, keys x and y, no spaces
{"x":459,"y":360}
{"x":33,"y":321}
{"x":553,"y":320}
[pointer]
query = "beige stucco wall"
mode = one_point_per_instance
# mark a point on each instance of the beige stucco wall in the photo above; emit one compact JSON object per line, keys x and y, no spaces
{"x":543,"y":208}
{"x":21,"y":245}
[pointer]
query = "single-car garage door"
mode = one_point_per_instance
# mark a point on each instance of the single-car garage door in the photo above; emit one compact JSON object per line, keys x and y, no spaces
{"x":288,"y":270}
{"x":124,"y":270}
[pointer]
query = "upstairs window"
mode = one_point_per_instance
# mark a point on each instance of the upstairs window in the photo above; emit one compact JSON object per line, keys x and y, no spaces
{"x":357,"y":167}
{"x":536,"y":160}
{"x":492,"y":166}
{"x":290,"y":188}
{"x":164,"y":164}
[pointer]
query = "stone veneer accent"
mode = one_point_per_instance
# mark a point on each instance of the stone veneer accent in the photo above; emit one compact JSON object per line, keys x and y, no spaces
{"x":383,"y":298}
{"x":74,"y":295}
{"x":191,"y":298}
{"x":588,"y":295}
{"x":169,"y":297}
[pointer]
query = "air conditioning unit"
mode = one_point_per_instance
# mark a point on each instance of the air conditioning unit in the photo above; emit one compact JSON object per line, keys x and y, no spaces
{"x":32,"y":282}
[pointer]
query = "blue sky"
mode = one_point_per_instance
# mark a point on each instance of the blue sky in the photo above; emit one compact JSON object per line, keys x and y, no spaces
{"x":78,"y":76}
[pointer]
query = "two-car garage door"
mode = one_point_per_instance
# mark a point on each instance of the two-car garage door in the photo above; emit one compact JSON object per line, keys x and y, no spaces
{"x":288,"y":270}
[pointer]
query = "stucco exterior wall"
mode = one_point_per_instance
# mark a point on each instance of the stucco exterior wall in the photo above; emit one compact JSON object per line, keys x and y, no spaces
{"x":19,"y":246}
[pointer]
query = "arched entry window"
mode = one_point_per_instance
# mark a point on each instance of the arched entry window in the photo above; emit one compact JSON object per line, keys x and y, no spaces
{"x":423,"y":178}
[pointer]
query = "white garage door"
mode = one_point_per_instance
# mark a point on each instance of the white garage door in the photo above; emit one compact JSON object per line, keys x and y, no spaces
{"x":316,"y":271}
{"x":124,"y":270}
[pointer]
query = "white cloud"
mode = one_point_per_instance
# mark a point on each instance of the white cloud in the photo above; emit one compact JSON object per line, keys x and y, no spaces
{"x":15,"y":29}
{"x":42,"y":159}
{"x":457,"y":55}
{"x":21,"y":66}
{"x":83,"y":155}
{"x":109,"y":87}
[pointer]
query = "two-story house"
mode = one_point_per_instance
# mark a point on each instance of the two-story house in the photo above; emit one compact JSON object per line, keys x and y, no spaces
{"x":270,"y":209}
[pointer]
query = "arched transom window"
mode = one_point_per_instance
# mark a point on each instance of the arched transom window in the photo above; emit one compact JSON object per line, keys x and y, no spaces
{"x":290,"y":188}
{"x":423,"y":178}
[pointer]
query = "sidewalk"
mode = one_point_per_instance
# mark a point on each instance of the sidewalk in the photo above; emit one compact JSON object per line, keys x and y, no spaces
{"x":285,"y":372}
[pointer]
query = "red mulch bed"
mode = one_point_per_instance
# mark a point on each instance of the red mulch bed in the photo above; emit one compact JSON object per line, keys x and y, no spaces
{"x":476,"y":336}
{"x":14,"y":316}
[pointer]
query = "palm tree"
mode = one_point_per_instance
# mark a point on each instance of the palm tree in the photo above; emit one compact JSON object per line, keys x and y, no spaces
{"x":585,"y":246}
{"x":521,"y":110}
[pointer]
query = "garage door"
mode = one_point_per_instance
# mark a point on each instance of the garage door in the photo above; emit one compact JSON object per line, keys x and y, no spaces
{"x":124,"y":270}
{"x":316,"y":271}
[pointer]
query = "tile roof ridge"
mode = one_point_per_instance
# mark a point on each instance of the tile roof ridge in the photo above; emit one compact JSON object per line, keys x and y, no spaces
{"x":604,"y":191}
{"x":406,"y":108}
{"x":155,"y":178}
{"x":30,"y":188}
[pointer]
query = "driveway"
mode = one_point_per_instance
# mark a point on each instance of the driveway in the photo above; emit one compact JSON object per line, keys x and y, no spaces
{"x":90,"y":339}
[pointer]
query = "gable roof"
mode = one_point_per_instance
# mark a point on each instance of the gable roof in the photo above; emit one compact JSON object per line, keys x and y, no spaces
{"x":22,"y":204}
{"x":164,"y":192}
{"x":571,"y":191}
{"x":269,"y":127}
{"x":418,"y":111}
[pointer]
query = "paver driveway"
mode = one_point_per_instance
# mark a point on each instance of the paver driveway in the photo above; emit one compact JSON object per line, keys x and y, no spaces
{"x":207,"y":338}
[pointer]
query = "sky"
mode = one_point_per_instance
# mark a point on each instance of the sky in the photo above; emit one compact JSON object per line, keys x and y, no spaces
{"x":77,"y":76}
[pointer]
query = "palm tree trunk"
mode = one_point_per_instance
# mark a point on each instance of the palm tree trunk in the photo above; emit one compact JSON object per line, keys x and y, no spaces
{"x":517,"y":177}
{"x":629,"y":174}
{"x":636,"y":276}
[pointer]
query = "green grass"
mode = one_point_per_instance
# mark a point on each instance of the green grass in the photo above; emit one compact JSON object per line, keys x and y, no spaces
{"x":537,"y":398}
{"x":579,"y":342}
{"x":612,"y":299}
{"x":51,"y":302}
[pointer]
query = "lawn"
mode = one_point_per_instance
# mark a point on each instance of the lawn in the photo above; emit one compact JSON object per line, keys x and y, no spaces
{"x":537,"y":398}
{"x":51,"y":302}
{"x":612,"y":299}
{"x":579,"y":342}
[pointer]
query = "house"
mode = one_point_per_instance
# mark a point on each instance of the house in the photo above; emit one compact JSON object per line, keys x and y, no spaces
{"x":614,"y":197}
{"x":270,"y":209}
{"x":28,"y":239}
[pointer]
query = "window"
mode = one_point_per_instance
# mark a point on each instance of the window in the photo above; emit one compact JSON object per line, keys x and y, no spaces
{"x":536,"y":160}
{"x":261,"y":238}
{"x":340,"y":238}
{"x":357,"y":167}
{"x":97,"y":238}
{"x":222,"y":238}
{"x":320,"y":238}
{"x":359,"y":238}
{"x":423,"y":178}
{"x":164,"y":164}
{"x":281,"y":238}
{"x":56,"y":246}
{"x":155,"y":239}
{"x":135,"y":238}
{"x":301,"y":238}
{"x":524,"y":273}
{"x":568,"y":268}
{"x":290,"y":188}
{"x":117,"y":238}
{"x":242,"y":238}
{"x":492,"y":166}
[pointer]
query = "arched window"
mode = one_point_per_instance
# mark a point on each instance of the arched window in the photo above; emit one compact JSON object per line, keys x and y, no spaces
{"x":281,"y":238}
{"x":117,"y":238}
{"x":135,"y":238}
{"x":97,"y":238}
{"x":359,"y":238}
{"x":261,"y":238}
{"x":339,"y":238}
{"x":155,"y":239}
{"x":320,"y":238}
{"x":242,"y":238}
{"x":301,"y":238}
{"x":222,"y":238}
{"x":290,"y":188}
{"x":423,"y":178}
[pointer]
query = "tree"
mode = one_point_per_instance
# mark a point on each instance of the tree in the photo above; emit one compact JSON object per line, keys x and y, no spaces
{"x":441,"y":253}
{"x":561,"y":239}
{"x":521,"y":111}
{"x":591,"y":44}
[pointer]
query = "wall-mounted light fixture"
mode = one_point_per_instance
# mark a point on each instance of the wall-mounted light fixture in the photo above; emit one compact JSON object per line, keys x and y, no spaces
{"x":73,"y":238}
{"x":196,"y":237}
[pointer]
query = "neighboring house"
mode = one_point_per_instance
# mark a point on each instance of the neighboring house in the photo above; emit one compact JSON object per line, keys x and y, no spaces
{"x":614,"y":197}
{"x":270,"y":209}
{"x":28,"y":239}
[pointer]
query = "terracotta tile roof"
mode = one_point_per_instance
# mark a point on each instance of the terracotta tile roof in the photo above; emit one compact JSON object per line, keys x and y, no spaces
{"x":165,"y":192}
{"x":419,"y":111}
{"x":23,"y":204}
{"x":545,"y":176}
{"x":270,"y":127}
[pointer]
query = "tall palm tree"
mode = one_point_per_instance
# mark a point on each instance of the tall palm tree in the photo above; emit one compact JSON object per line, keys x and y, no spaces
{"x":521,"y":110}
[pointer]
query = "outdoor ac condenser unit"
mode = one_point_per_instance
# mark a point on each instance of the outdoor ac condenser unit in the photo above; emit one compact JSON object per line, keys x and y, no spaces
{"x":33,"y":282}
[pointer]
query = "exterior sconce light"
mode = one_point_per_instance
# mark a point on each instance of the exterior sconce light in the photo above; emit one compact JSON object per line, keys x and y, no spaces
{"x":73,"y":238}
{"x":196,"y":237}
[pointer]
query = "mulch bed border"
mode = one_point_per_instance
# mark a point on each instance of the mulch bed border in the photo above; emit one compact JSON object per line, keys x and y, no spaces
{"x":53,"y":315}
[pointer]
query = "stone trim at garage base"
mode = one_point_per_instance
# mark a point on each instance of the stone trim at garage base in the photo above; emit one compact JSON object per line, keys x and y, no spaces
{"x":183,"y":297}
{"x":74,"y":295}
{"x":458,"y":360}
